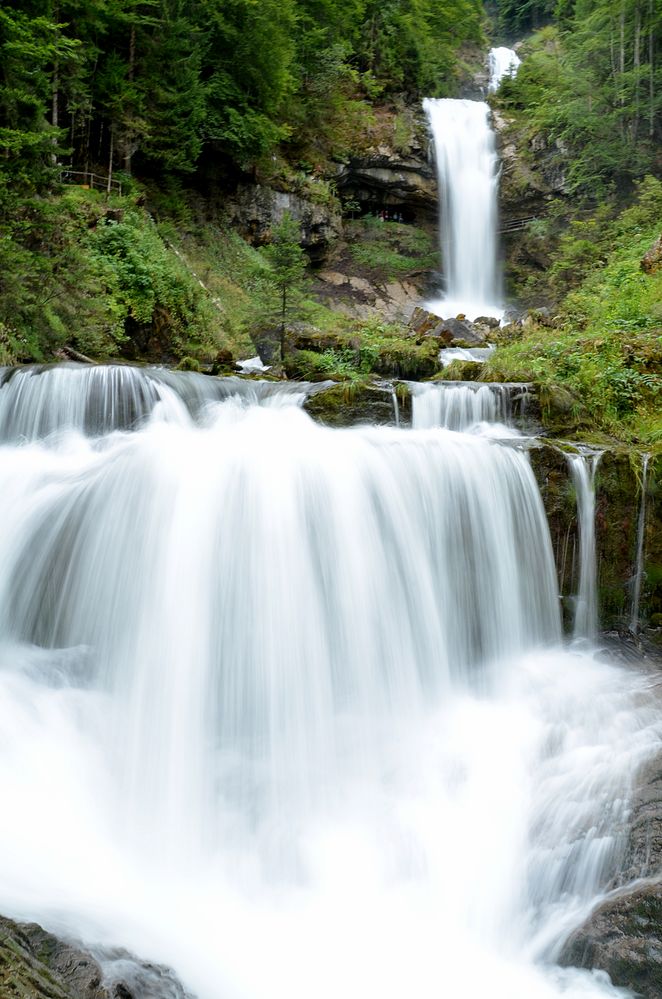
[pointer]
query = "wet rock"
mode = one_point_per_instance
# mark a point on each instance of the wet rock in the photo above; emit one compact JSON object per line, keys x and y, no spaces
{"x":35,"y":964}
{"x":652,"y":258}
{"x":462,"y":333}
{"x":624,"y":938}
{"x":347,"y":405}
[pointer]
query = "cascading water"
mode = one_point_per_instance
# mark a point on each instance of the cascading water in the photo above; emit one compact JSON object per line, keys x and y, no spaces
{"x":501,"y":62}
{"x":38,"y":401}
{"x":639,"y":559}
{"x":449,"y":354}
{"x":466,"y":405}
{"x":583,"y":468}
{"x":286,"y":707}
{"x":467,"y":176}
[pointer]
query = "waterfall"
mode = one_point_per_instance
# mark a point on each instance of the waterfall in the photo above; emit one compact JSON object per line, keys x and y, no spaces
{"x":639,"y":563}
{"x":458,"y":405}
{"x":583,"y":468}
{"x":38,"y":401}
{"x":467,"y":176}
{"x":286,"y":707}
{"x":466,"y":405}
{"x":502,"y":63}
{"x":449,"y":354}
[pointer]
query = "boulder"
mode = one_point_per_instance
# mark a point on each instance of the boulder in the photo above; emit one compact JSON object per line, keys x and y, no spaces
{"x":35,"y":964}
{"x":462,"y":333}
{"x":450,"y":332}
{"x":422,"y":321}
{"x":623,"y":937}
{"x":652,"y":258}
{"x":347,"y":405}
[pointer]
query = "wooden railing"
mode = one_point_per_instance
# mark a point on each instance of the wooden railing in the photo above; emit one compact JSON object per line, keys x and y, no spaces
{"x":84,"y":178}
{"x":516,"y":225}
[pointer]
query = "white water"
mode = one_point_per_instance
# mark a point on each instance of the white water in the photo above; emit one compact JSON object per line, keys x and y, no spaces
{"x":286,"y":707}
{"x":39,"y":402}
{"x":640,"y":553}
{"x":583,"y":468}
{"x":502,"y":62}
{"x":467,"y":176}
{"x":458,"y":405}
{"x":449,"y":354}
{"x":467,"y":406}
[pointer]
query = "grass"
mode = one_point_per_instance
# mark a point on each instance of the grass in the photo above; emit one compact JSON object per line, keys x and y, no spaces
{"x":605,"y":345}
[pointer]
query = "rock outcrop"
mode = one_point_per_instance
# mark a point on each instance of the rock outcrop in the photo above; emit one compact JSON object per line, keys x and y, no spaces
{"x":623,"y":936}
{"x":35,"y":964}
{"x":359,"y":298}
{"x":395,"y":171}
{"x":652,"y":258}
{"x":255,"y":209}
{"x":386,"y":178}
{"x":453,"y":332}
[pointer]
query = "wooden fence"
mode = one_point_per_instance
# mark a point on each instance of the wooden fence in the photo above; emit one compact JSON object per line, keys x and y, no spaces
{"x":84,"y":178}
{"x":516,"y":225}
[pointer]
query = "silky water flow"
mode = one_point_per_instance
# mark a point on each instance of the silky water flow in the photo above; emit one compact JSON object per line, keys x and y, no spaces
{"x":286,"y":707}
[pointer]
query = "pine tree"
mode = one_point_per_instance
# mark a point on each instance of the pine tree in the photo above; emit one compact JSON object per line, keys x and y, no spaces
{"x":288,"y":268}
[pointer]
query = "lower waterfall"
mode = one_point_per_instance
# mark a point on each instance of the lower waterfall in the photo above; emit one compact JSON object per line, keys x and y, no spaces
{"x":288,"y":708}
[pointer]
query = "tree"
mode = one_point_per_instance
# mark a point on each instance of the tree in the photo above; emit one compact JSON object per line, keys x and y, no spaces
{"x":288,"y":267}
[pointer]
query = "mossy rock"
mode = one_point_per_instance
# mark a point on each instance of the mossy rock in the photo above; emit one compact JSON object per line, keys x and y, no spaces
{"x":404,"y":358}
{"x":351,"y":404}
{"x":624,"y":938}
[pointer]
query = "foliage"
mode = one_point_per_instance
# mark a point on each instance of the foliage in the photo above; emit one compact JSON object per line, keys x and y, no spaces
{"x":591,"y":85}
{"x":358,"y":350}
{"x":605,"y":345}
{"x":287,"y":268}
{"x":79,"y":273}
{"x":391,"y":250}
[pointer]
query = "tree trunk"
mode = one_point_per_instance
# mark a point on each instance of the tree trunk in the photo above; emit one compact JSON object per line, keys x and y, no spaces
{"x":110,"y":160}
{"x":55,"y":107}
{"x":651,"y":72}
{"x":636,"y":62}
{"x":283,"y":312}
{"x":128,"y":155}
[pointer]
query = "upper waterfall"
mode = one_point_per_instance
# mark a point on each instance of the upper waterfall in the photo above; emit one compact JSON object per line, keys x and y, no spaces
{"x":502,"y":62}
{"x":467,"y":175}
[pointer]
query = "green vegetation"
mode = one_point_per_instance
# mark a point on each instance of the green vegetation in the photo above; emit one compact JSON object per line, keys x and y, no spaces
{"x":391,"y":250}
{"x":600,"y":358}
{"x":357,"y":351}
{"x":95,"y":276}
{"x":286,"y":272}
{"x":591,"y":85}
